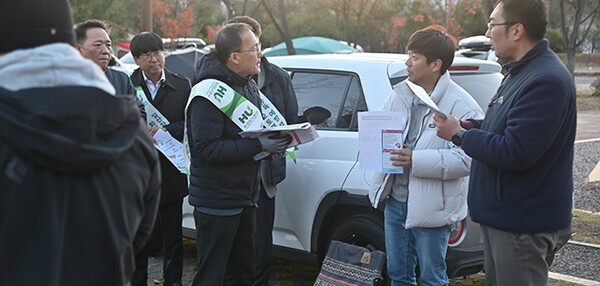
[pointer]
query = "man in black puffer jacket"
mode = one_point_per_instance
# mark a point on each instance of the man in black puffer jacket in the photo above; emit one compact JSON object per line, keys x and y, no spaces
{"x":224,"y":176}
{"x":276,"y":84}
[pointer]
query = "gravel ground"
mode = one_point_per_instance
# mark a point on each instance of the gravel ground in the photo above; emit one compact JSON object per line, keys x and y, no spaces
{"x":576,"y":260}
{"x":587,"y":195}
{"x":573,"y":260}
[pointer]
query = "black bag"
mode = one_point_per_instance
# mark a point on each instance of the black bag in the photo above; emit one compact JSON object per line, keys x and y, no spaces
{"x":347,"y":264}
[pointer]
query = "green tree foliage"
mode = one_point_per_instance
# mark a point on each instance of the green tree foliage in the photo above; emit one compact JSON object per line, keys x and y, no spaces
{"x":469,"y":17}
{"x":321,"y":23}
{"x":555,"y":39}
{"x":122,"y":16}
{"x":208,"y":13}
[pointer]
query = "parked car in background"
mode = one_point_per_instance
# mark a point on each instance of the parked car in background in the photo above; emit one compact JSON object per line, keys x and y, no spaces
{"x":117,"y":64}
{"x":325,"y":194}
{"x":181,"y":61}
{"x":182,"y":43}
{"x":477,"y":47}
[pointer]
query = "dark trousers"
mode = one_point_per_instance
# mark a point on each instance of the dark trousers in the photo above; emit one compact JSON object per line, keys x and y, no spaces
{"x":170,"y":215}
{"x":225,"y":246}
{"x":265,"y":216}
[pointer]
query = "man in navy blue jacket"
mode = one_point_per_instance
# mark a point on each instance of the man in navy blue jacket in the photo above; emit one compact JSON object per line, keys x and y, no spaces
{"x":521,"y":183}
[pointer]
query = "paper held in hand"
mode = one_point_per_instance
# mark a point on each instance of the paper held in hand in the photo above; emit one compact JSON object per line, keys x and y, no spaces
{"x":422,"y":95}
{"x":301,"y":133}
{"x":379,"y":132}
{"x":171,"y":148}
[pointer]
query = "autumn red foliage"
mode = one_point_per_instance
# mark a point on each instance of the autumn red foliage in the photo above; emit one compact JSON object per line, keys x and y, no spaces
{"x":211,"y":31}
{"x":174,"y":19}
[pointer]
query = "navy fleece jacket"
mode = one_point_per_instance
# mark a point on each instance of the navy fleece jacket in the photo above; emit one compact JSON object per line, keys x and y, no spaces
{"x":522,"y":170}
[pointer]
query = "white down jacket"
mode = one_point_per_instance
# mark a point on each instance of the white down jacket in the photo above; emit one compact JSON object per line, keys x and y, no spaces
{"x":438,"y":182}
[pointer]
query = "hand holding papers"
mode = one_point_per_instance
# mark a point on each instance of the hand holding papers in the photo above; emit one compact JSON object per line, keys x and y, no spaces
{"x":171,"y":148}
{"x":422,"y":95}
{"x":379,"y":132}
{"x":301,"y":133}
{"x":391,"y":139}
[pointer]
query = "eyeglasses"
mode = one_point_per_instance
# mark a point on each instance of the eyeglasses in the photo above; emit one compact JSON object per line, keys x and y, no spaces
{"x":492,"y":25}
{"x":256,"y":49}
{"x":148,"y":56}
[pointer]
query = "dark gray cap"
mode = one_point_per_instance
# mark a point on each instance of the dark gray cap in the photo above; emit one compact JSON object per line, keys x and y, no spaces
{"x":31,"y":23}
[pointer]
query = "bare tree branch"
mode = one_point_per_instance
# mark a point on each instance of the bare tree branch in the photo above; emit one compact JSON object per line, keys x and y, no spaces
{"x":283,"y":31}
{"x":230,"y":10}
{"x":587,"y":29}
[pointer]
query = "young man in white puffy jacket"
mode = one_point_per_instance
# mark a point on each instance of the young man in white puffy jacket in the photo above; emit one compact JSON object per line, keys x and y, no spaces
{"x":430,"y":195}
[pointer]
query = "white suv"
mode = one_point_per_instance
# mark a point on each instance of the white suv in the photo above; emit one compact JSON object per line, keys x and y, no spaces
{"x":324,"y":196}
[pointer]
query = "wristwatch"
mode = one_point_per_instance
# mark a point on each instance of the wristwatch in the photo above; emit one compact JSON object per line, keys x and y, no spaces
{"x":457,"y":138}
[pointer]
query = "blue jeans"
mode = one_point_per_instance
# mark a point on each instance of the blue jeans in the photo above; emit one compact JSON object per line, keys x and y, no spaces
{"x":405,"y":247}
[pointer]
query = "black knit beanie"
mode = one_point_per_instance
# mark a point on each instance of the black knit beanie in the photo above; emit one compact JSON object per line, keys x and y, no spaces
{"x":31,"y":23}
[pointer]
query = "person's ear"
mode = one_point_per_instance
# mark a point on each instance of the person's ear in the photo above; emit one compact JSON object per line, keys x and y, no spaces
{"x":436,"y":65}
{"x":234,"y":58}
{"x":78,"y":47}
{"x":518,"y":31}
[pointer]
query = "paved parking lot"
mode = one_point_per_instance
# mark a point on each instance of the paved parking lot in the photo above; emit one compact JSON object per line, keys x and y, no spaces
{"x":588,"y":125}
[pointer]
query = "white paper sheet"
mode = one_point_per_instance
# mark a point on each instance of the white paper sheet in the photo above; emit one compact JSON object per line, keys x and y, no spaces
{"x":391,"y":139}
{"x":422,"y":95}
{"x":370,"y":127}
{"x":170,"y":148}
{"x":301,"y":133}
{"x":292,"y":127}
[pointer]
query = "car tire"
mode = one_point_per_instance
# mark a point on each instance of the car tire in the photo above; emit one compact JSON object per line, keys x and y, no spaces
{"x":362,"y":230}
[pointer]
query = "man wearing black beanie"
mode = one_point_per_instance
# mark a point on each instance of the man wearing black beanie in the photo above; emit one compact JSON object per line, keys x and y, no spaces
{"x":32,"y":23}
{"x":79,"y":175}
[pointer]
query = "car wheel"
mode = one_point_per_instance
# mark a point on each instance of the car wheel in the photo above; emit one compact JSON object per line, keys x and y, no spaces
{"x":362,"y":230}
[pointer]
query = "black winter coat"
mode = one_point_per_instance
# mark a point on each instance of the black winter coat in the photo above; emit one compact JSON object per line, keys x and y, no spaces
{"x":223,"y":173}
{"x":79,"y":184}
{"x":170,"y":101}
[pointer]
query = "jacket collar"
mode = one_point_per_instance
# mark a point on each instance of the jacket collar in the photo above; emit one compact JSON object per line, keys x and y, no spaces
{"x":212,"y":68}
{"x":267,"y":69}
{"x":436,"y":94}
{"x":162,"y":76}
{"x":440,"y":87}
{"x":536,"y":51}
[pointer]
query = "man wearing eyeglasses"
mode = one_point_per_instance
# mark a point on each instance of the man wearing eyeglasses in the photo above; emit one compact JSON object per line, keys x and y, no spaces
{"x":225,"y":171}
{"x":165,"y":94}
{"x":521,"y":182}
{"x":275,"y":83}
